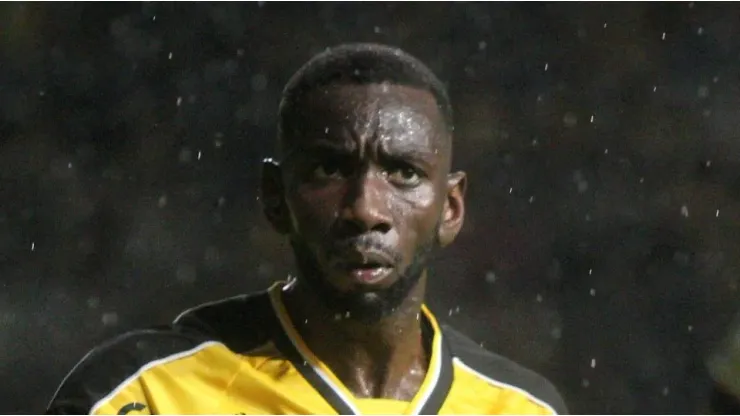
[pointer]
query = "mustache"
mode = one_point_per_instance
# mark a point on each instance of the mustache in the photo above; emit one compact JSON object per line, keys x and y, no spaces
{"x":363,"y":243}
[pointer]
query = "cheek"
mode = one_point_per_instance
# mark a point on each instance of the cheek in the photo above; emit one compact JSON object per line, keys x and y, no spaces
{"x":417,"y":213}
{"x":313,"y":207}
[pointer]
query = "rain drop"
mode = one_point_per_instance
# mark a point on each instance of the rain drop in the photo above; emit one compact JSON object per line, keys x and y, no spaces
{"x":69,"y":165}
{"x":346,"y":314}
{"x":690,"y":328}
{"x":326,"y":130}
{"x":93,"y":302}
{"x":154,"y":18}
{"x":700,"y":31}
{"x":199,"y":153}
{"x":715,"y":79}
{"x":642,"y":180}
{"x":663,"y":37}
{"x":604,"y":25}
{"x":531,"y":199}
{"x":665,"y":391}
{"x":490,"y":277}
{"x":546,"y":66}
{"x":109,"y":318}
{"x":539,"y":298}
{"x":684,"y":211}
{"x":42,"y":93}
{"x":33,"y":246}
{"x":655,"y":88}
{"x":592,"y":118}
{"x":179,"y":101}
{"x":593,"y":363}
{"x":606,"y":151}
{"x":376,"y":29}
{"x":482,"y":45}
{"x":703,"y":91}
{"x":585,"y":383}
{"x":590,"y":272}
{"x":592,"y":292}
{"x":162,"y":202}
{"x":259,"y":82}
{"x":511,"y":190}
{"x":716,"y":214}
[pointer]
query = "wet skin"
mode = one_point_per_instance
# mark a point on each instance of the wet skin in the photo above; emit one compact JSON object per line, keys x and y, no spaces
{"x":365,"y":195}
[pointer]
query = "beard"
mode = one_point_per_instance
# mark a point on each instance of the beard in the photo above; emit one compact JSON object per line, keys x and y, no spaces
{"x":365,"y":306}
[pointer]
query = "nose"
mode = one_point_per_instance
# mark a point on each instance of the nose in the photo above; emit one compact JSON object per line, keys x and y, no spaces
{"x":366,"y":205}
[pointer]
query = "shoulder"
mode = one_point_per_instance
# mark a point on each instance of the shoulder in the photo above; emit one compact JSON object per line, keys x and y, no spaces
{"x":117,"y":364}
{"x":502,"y":371}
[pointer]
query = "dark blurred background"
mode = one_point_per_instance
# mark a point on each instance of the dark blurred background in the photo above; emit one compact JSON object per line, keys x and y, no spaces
{"x":601,"y":141}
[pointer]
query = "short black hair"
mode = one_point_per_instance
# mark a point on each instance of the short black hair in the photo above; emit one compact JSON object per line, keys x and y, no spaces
{"x":363,"y":63}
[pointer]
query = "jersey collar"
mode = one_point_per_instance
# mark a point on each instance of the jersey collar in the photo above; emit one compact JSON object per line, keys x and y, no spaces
{"x":428,"y":399}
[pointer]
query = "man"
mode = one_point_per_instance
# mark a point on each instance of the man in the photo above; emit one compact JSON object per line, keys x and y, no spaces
{"x":362,"y":189}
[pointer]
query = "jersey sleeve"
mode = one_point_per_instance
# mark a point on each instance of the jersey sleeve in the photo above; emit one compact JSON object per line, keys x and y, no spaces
{"x":108,"y":379}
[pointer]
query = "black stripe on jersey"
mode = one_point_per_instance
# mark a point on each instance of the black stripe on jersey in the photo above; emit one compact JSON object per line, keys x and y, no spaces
{"x":446,"y":372}
{"x":106,"y":367}
{"x":285,"y":345}
{"x":503,"y":370}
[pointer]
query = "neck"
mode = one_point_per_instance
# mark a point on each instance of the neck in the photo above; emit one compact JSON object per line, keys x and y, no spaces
{"x":385,"y":359}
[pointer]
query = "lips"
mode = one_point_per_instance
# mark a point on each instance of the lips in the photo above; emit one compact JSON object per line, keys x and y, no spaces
{"x":365,"y":266}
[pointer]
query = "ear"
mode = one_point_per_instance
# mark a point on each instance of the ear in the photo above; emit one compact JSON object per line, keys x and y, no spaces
{"x":453,"y":212}
{"x":273,"y":197}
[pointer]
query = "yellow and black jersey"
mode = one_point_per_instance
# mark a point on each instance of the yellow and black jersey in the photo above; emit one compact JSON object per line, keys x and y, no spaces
{"x":242,"y":355}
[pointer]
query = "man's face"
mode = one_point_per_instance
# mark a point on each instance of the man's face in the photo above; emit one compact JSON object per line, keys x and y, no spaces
{"x":367,"y":192}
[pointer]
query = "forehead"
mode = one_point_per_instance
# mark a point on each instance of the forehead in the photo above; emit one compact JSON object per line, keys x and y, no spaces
{"x":375,"y":111}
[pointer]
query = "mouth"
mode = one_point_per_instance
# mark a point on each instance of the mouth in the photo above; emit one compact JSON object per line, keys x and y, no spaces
{"x":366,"y":267}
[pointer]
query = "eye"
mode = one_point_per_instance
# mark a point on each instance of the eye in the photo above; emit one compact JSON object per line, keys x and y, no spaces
{"x":328,"y":169}
{"x":404,"y":175}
